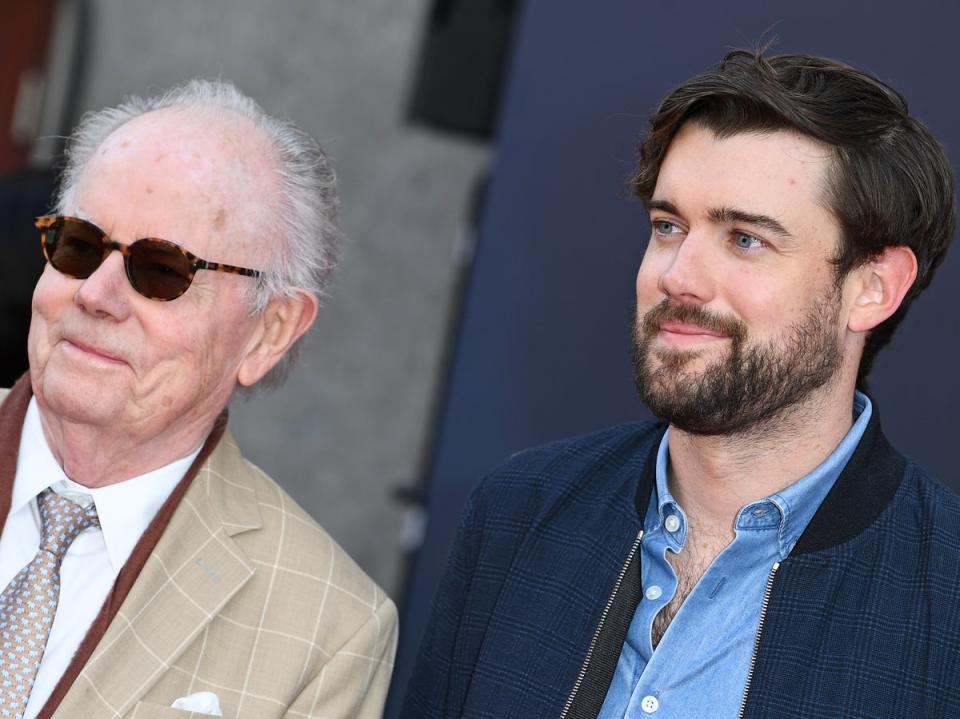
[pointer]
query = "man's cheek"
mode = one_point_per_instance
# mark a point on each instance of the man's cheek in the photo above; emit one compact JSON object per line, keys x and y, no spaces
{"x":38,"y":340}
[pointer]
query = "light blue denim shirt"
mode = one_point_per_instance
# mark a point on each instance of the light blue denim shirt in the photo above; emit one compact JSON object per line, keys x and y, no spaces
{"x":700,"y":666}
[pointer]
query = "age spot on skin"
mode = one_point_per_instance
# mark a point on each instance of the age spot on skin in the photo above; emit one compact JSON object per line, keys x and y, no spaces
{"x":220,"y":219}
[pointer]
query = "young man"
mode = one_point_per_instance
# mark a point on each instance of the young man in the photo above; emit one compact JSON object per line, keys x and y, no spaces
{"x":764,"y":552}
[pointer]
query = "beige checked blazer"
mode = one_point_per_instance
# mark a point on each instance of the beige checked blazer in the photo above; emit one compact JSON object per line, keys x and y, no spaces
{"x":245,"y":596}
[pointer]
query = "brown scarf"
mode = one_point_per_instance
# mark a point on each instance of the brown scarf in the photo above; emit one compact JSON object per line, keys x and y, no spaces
{"x":13,"y":409}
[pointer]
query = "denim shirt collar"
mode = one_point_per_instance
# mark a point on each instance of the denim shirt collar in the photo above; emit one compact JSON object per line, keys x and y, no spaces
{"x":790,"y":510}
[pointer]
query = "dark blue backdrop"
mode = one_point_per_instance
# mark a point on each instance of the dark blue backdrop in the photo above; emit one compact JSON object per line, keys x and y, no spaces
{"x":542,"y":350}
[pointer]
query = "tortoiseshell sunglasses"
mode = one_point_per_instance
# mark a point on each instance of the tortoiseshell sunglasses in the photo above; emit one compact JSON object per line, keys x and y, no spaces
{"x":157,"y":269}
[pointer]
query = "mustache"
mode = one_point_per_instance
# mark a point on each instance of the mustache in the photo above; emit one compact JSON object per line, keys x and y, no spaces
{"x":668,"y":311}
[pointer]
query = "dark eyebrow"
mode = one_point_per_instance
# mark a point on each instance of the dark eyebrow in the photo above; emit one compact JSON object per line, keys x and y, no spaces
{"x":731,"y":214}
{"x":664,"y":205}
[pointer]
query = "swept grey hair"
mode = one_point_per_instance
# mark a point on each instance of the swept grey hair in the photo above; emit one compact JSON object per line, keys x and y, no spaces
{"x":306,"y":220}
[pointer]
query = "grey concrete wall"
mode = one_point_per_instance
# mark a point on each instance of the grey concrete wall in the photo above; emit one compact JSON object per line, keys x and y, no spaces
{"x":348,"y":425}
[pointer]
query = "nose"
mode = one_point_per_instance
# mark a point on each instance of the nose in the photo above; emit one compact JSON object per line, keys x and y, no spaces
{"x":687,"y":276}
{"x":106,"y":293}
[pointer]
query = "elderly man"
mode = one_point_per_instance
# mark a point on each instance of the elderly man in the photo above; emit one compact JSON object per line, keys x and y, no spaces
{"x":764,"y":552}
{"x":150,"y":570}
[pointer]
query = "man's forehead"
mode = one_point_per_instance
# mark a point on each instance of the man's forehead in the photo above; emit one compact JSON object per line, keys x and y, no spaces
{"x":178,"y":174}
{"x":192,"y":142}
{"x":753,"y":154}
{"x":191,"y":135}
{"x":773,"y":173}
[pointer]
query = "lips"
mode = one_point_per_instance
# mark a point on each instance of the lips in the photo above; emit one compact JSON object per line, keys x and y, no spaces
{"x":97,"y":352}
{"x":681,"y":328}
{"x":691,"y":326}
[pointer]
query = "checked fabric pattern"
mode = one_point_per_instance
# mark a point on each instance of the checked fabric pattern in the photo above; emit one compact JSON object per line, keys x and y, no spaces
{"x":29,"y":603}
{"x":243,"y":595}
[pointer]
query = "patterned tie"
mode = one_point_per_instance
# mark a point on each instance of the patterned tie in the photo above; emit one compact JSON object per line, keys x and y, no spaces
{"x":29,"y":602}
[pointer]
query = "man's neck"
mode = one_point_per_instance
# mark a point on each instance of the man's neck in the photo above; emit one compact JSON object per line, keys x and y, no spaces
{"x":713,"y":477}
{"x":94,"y":458}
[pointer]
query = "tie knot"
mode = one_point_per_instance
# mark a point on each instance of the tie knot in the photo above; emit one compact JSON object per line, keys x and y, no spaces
{"x":61,"y":520}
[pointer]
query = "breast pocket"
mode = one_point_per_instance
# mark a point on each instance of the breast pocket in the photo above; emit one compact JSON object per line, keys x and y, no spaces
{"x":145,"y":710}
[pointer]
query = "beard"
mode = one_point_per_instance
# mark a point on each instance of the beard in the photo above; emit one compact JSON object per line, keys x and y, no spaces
{"x":748,"y":387}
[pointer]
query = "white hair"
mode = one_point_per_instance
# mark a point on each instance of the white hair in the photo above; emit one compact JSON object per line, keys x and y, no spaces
{"x":306,"y":220}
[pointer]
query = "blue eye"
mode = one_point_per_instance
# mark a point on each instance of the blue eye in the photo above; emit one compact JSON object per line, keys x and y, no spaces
{"x":665,"y":227}
{"x":743,"y":241}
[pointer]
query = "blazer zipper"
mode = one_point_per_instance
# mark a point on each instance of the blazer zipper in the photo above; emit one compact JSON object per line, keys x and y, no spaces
{"x":756,"y":639}
{"x":596,"y":633}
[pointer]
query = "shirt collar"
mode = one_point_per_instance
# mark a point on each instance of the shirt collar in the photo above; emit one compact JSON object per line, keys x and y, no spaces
{"x":37,"y":468}
{"x":125,"y":509}
{"x":795,"y":505}
{"x":666,"y":505}
{"x":801,"y":500}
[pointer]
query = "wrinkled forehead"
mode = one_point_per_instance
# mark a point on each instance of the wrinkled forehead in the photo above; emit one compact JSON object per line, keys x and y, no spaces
{"x":193,"y":176}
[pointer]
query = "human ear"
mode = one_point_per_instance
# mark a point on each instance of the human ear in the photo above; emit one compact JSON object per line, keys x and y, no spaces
{"x":281,"y":324}
{"x":880,"y":285}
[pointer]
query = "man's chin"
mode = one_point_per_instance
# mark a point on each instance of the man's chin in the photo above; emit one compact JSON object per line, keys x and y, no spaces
{"x":669,"y":387}
{"x":673,"y":406}
{"x":679,"y":370}
{"x":74,"y":397}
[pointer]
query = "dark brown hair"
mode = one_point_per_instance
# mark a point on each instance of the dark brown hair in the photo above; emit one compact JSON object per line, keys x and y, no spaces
{"x":890,"y":184}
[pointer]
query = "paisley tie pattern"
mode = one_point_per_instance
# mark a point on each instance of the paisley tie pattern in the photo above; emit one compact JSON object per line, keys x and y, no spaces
{"x":29,"y":603}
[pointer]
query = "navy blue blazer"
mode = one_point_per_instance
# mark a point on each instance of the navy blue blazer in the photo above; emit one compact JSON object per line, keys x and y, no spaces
{"x":863,"y":618}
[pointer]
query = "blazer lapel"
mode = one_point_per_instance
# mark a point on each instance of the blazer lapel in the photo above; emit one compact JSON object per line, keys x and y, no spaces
{"x":192,"y":572}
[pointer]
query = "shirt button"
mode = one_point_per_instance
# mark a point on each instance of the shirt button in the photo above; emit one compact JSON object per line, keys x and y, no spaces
{"x":649,"y":704}
{"x":672,"y":523}
{"x":653,"y":592}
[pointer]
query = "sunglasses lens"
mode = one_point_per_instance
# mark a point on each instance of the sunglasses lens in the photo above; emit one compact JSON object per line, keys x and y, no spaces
{"x":158,"y":270}
{"x":75,"y":249}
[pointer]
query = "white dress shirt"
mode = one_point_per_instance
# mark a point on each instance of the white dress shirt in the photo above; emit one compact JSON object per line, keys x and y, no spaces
{"x":96,"y":556}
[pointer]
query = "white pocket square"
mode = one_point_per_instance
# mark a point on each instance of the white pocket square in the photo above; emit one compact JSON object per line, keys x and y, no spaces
{"x":200,"y":702}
